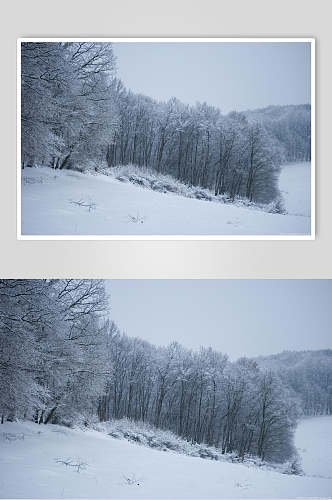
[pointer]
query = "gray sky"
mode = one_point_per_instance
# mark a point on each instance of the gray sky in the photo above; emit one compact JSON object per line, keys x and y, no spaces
{"x":237,"y":317}
{"x":231,"y":76}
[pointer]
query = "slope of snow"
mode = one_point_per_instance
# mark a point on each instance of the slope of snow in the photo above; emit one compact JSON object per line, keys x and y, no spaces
{"x":295,"y":187}
{"x":313,"y":439}
{"x":71,"y":203}
{"x":118,"y":469}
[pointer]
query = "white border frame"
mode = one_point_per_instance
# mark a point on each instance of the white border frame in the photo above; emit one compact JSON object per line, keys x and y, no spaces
{"x":310,"y":236}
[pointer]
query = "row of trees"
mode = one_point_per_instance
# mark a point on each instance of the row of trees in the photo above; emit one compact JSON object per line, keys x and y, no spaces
{"x":76,"y":114}
{"x":197,"y":145}
{"x":201,"y":396}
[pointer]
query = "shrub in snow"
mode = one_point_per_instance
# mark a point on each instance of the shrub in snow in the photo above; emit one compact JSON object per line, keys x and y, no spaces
{"x":145,"y":434}
{"x":32,"y":180}
{"x":81,"y":420}
{"x":277,"y":207}
{"x":8,"y":436}
{"x":137,"y":219}
{"x":90,"y":205}
{"x":76,"y":463}
{"x":149,"y":179}
{"x":293,"y":466}
{"x":131,"y":479}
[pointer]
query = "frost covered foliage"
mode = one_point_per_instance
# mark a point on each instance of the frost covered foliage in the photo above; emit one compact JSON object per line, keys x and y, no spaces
{"x":150,"y":179}
{"x":277,"y":206}
{"x":148,"y":435}
{"x":145,"y":434}
{"x":308,"y":374}
{"x":67,"y":112}
{"x":50,"y":348}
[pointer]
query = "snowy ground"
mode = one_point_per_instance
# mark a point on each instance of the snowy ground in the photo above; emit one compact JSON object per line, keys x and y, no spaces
{"x":70,"y":203}
{"x":314,"y":442}
{"x":295,"y":186}
{"x":118,"y":469}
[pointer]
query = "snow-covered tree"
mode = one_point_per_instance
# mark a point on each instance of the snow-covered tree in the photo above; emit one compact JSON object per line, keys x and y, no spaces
{"x":51,"y":338}
{"x":68,"y":114}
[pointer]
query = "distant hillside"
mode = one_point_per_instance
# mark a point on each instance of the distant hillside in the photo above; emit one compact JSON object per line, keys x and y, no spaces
{"x":290,"y":126}
{"x":308,"y":374}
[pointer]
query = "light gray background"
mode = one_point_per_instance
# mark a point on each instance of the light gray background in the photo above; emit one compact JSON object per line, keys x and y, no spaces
{"x":172,"y":259}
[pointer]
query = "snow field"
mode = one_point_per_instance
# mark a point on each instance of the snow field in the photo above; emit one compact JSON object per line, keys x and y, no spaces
{"x":314,"y":442}
{"x":71,"y":203}
{"x":29,"y":468}
{"x":295,"y":187}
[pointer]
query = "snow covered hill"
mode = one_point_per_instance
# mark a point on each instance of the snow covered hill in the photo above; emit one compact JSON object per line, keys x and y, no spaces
{"x":33,"y":465}
{"x":71,"y":203}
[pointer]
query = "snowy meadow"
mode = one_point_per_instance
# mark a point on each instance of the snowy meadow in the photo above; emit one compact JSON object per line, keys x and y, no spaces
{"x":132,"y":202}
{"x":91,"y":144}
{"x":87,"y":411}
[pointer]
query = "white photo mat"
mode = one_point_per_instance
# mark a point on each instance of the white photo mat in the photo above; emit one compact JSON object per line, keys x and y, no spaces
{"x":310,"y":236}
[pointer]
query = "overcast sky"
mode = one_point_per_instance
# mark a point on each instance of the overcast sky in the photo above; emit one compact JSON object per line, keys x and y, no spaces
{"x":231,"y":76}
{"x":237,"y":317}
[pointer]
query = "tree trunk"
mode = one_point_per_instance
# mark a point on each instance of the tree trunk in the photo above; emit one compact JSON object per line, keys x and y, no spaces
{"x":65,"y":161}
{"x":50,"y":415}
